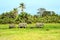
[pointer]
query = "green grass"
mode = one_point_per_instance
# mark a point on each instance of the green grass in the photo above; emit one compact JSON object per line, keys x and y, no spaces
{"x":30,"y":34}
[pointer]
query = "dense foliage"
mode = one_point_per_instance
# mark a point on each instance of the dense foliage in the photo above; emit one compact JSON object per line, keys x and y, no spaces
{"x":9,"y":17}
{"x":42,"y":16}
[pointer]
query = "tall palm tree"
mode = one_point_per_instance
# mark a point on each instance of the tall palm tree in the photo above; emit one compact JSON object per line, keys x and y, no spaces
{"x":22,"y":6}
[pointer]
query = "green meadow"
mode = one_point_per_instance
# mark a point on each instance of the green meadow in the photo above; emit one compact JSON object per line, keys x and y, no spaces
{"x":26,"y":21}
{"x":50,"y":31}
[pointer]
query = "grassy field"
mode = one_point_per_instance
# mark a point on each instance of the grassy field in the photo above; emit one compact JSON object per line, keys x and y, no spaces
{"x":51,"y":31}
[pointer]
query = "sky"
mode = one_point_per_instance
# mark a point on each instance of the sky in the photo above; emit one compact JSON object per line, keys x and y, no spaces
{"x":31,"y":5}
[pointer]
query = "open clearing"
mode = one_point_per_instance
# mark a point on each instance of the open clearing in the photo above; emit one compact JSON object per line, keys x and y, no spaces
{"x":30,"y":34}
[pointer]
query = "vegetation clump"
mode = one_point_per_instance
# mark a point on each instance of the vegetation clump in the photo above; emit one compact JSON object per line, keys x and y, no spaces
{"x":42,"y":15}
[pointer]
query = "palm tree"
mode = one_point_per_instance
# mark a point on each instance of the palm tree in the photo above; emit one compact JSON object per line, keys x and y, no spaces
{"x":22,"y":6}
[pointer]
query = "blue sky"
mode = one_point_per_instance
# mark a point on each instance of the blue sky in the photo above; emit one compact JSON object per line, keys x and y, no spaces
{"x":31,"y":5}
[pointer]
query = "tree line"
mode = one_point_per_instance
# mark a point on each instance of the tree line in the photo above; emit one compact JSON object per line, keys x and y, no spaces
{"x":42,"y":15}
